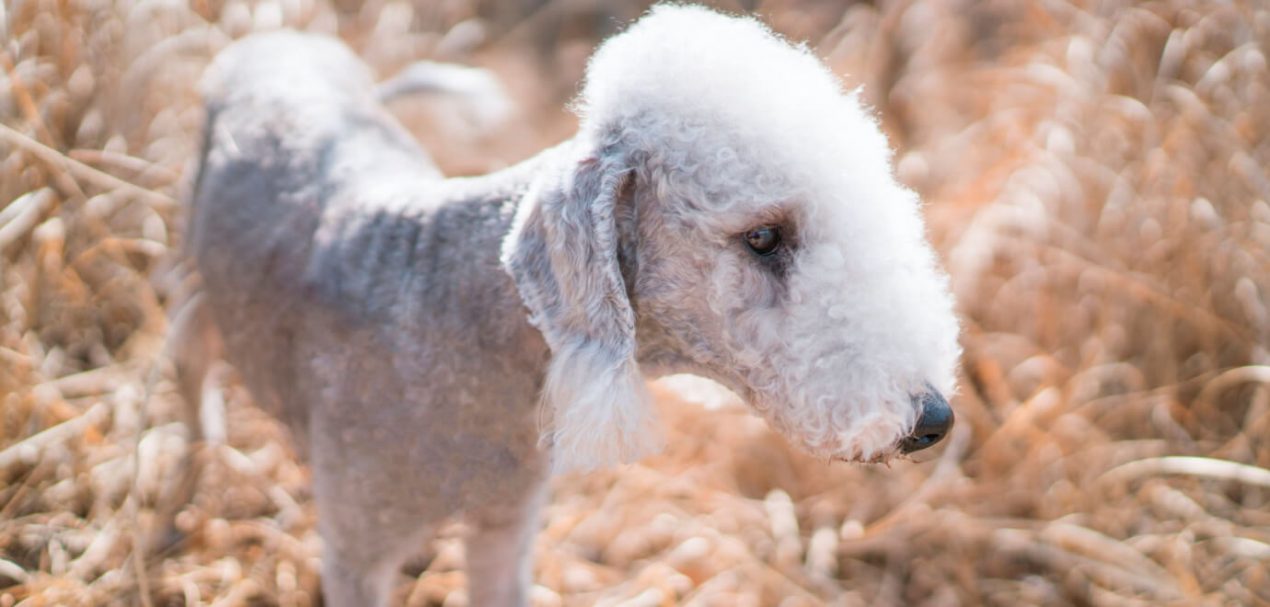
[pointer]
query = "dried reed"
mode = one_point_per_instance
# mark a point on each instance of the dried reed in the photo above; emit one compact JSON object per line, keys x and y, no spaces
{"x":1095,"y":174}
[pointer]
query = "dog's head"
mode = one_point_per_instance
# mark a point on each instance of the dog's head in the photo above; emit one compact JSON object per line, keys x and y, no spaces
{"x":729,"y":211}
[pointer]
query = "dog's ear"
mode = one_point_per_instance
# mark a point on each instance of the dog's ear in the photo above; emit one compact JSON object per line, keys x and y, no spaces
{"x":563,"y":254}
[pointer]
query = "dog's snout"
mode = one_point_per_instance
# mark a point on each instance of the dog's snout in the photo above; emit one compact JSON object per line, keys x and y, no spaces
{"x":936,"y":419}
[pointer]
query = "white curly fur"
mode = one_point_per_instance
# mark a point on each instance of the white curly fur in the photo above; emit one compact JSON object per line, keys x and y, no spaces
{"x":735,"y":123}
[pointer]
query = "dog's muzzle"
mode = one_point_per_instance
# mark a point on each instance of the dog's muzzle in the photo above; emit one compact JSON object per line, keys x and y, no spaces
{"x":936,"y":419}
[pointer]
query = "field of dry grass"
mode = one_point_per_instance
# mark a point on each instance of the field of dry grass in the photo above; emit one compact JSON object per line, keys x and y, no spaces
{"x":1096,"y":180}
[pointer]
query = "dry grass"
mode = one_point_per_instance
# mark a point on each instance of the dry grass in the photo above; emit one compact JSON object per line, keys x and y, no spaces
{"x":1095,"y":175}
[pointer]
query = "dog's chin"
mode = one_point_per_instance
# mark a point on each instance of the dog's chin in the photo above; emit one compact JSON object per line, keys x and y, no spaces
{"x":885,"y":457}
{"x":855,"y":455}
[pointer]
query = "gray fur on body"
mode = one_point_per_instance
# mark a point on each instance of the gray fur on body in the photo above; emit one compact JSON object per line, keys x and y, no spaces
{"x":355,"y":292}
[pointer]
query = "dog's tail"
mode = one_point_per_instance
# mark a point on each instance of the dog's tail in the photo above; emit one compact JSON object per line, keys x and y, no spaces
{"x":479,"y":88}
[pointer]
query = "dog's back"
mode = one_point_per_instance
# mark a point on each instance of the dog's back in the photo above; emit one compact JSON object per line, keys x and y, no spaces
{"x":277,"y":151}
{"x":294,"y":139}
{"x":296,"y":151}
{"x":337,"y":265}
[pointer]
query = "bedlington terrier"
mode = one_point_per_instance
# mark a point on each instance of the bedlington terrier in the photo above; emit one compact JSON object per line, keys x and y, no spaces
{"x":439,"y":346}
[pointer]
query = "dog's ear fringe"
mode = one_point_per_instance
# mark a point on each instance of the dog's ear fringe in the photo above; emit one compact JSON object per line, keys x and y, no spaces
{"x":600,"y":412}
{"x":595,"y":410}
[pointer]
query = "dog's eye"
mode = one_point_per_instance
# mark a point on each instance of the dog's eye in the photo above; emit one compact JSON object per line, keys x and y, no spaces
{"x":764,"y":240}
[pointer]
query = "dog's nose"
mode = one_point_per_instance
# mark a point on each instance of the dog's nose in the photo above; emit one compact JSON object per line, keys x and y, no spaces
{"x":935,"y":421}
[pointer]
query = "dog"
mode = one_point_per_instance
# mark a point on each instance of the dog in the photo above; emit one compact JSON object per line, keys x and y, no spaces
{"x":439,"y":347}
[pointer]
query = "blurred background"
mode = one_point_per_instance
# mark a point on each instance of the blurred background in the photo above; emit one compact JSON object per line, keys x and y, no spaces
{"x":1095,"y":178}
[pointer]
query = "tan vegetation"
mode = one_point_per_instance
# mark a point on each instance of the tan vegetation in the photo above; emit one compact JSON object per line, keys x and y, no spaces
{"x":1096,"y":176}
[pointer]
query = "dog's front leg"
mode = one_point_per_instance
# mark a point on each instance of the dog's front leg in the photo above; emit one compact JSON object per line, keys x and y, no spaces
{"x":500,"y":550}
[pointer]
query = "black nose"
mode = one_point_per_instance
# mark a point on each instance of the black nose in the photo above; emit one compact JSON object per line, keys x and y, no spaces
{"x":935,"y":422}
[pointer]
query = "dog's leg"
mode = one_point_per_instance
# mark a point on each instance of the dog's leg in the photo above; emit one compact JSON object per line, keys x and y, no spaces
{"x":348,"y":581}
{"x":194,"y":348}
{"x":362,"y":557}
{"x":500,"y":551}
{"x":367,"y":533}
